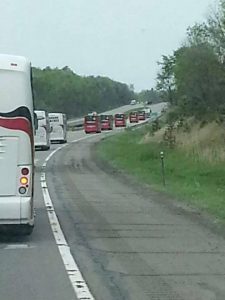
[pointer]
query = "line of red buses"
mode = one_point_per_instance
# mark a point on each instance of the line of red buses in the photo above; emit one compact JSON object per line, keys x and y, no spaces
{"x":94,"y":123}
{"x":142,"y":115}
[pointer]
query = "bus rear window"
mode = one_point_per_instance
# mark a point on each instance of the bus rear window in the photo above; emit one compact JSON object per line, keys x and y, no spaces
{"x":120,"y":116}
{"x":90,"y":118}
{"x":104,"y":118}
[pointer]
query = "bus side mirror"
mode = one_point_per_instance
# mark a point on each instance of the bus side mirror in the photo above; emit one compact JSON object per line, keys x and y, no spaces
{"x":35,"y":121}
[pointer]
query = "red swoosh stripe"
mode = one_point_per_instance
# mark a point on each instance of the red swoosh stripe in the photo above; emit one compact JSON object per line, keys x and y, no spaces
{"x":21,"y":124}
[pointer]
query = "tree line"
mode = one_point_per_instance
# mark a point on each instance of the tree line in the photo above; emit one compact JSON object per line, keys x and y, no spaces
{"x":192,"y":78}
{"x":61,"y":90}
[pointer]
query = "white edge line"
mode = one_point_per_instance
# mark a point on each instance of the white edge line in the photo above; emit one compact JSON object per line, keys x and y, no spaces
{"x":78,"y":283}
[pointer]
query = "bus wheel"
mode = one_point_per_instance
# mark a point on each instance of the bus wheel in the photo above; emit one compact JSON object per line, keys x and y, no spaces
{"x":21,"y":230}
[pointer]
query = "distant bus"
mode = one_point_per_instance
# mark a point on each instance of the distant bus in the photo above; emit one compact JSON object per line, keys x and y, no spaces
{"x":120,"y":120}
{"x":133,"y":117}
{"x":92,"y":124}
{"x":16,"y":143}
{"x":58,"y":123}
{"x":141,"y":115}
{"x":42,"y":134}
{"x":106,"y":122}
{"x":147,"y":112}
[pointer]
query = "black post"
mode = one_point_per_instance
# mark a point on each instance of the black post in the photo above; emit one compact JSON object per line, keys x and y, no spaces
{"x":163,"y":168}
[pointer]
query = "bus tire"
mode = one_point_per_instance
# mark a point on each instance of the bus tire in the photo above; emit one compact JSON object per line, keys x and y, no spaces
{"x":21,"y":230}
{"x":28,"y":229}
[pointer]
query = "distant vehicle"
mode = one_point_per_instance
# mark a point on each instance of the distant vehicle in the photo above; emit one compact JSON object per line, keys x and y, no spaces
{"x":120,"y":120}
{"x":133,"y":102}
{"x":133,"y":117}
{"x":92,"y":124}
{"x":148,"y":112}
{"x":42,"y":134}
{"x":141,"y":115}
{"x":106,"y":122}
{"x":58,"y":123}
{"x":16,"y":143}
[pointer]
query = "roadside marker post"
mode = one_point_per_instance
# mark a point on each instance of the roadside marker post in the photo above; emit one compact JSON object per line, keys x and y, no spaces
{"x":163,"y":168}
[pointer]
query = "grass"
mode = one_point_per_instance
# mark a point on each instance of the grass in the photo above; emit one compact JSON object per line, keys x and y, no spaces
{"x":188,"y":178}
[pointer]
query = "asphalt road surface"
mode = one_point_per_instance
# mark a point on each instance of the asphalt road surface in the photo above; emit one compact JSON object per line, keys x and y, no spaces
{"x":128,"y":243}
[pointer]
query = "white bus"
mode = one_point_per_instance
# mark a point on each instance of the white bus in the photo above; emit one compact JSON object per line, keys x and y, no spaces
{"x":42,"y":134}
{"x":58,"y":125}
{"x":16,"y":143}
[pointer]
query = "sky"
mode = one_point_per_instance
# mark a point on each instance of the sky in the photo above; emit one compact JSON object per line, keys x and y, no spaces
{"x":120,"y":39}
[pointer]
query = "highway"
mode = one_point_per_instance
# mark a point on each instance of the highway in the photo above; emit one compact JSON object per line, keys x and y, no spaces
{"x":128,"y":242}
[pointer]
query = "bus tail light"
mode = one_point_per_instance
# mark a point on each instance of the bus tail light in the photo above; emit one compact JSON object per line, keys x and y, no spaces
{"x":25,"y":171}
{"x":24,"y":180}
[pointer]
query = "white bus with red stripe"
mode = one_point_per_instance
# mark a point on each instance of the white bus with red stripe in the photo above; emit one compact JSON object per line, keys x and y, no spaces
{"x":16,"y":143}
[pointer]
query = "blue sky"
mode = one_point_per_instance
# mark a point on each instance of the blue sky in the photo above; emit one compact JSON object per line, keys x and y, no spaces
{"x":116,"y":38}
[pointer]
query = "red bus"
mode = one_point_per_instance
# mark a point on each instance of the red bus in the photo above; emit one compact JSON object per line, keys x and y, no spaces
{"x":141,"y":115}
{"x":120,"y":120}
{"x":133,"y":117}
{"x":92,"y":124}
{"x":106,"y":122}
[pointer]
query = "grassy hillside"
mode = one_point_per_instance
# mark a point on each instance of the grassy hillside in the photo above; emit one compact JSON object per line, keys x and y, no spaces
{"x":195,"y":165}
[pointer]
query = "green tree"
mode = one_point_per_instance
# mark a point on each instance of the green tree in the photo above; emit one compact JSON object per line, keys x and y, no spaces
{"x":200,"y":81}
{"x":165,"y":78}
{"x":61,"y":90}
